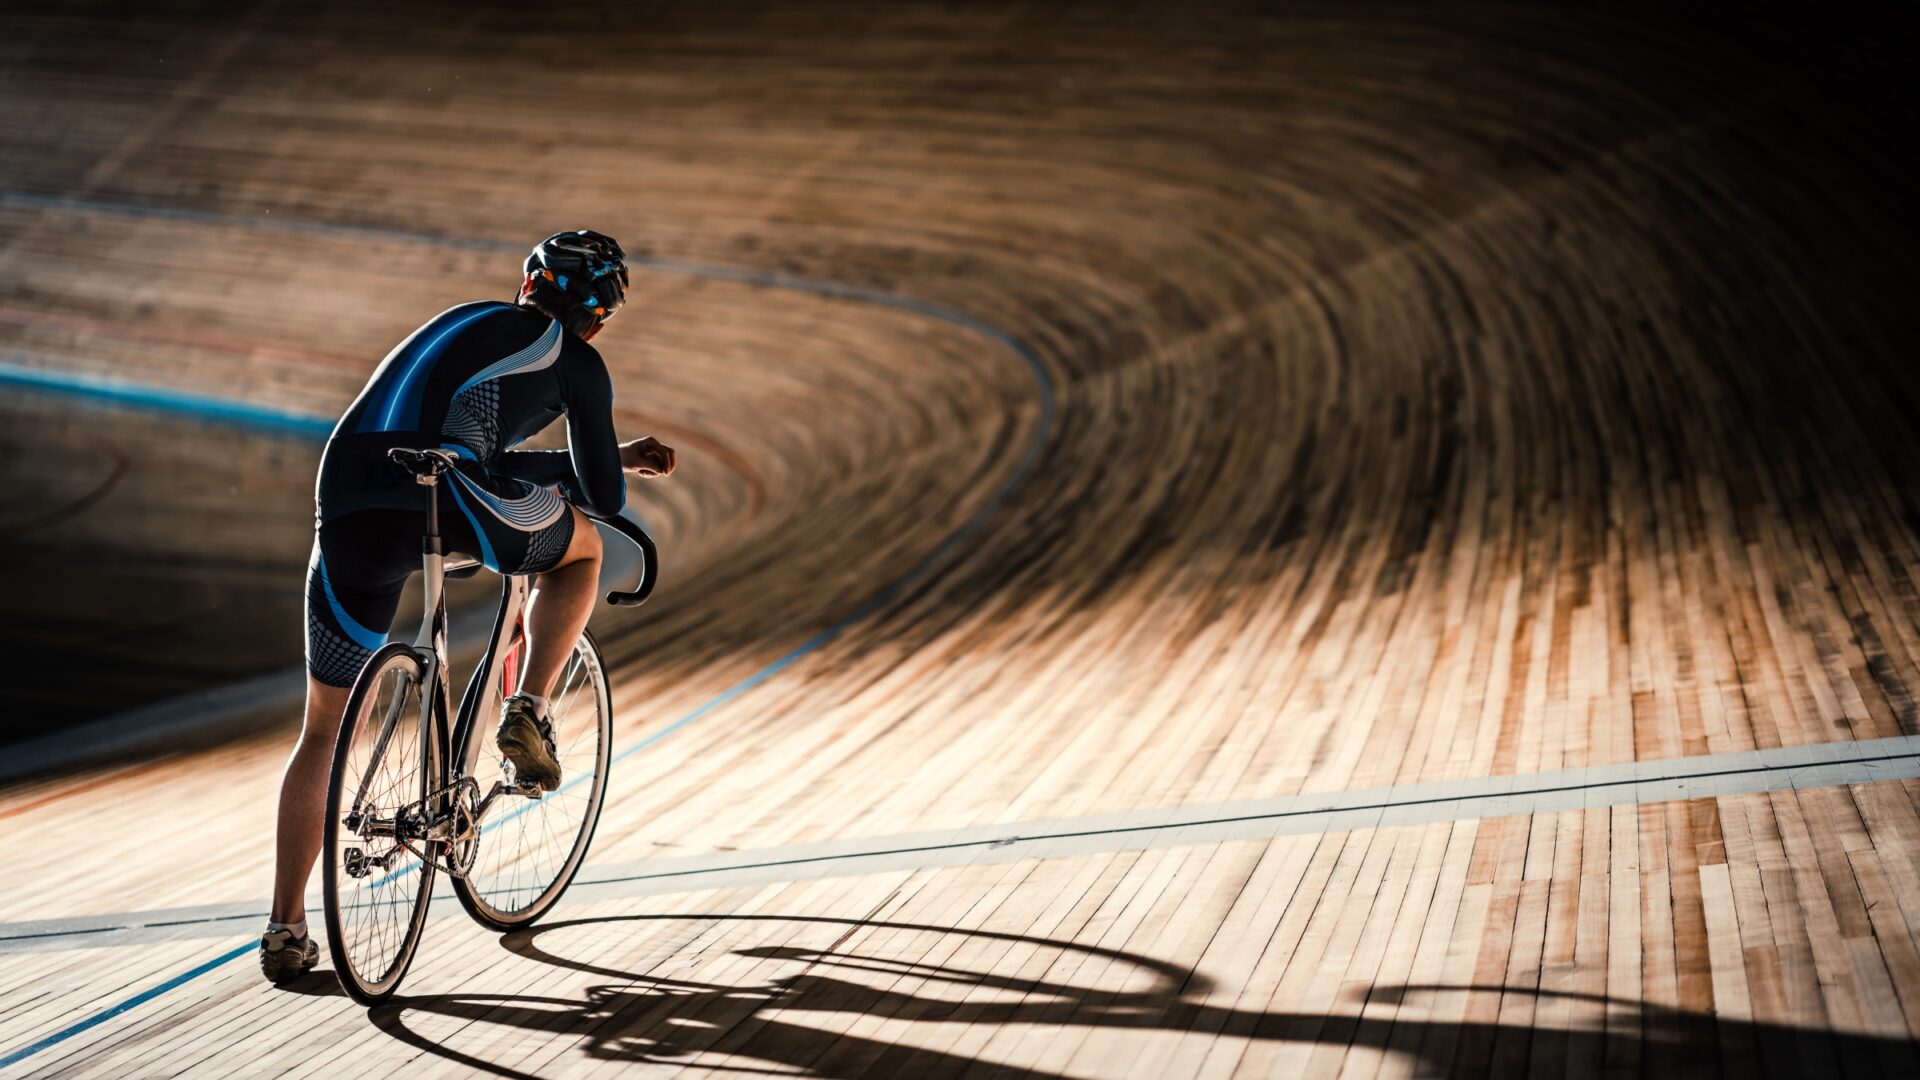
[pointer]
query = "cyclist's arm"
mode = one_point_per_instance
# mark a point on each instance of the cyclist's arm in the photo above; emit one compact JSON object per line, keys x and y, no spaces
{"x":589,"y":469}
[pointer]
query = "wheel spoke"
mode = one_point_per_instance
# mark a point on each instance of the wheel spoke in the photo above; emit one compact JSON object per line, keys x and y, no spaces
{"x":377,"y":911}
{"x":529,"y":852}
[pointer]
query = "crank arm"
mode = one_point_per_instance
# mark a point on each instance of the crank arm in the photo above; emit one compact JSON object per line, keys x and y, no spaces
{"x":501,"y":788}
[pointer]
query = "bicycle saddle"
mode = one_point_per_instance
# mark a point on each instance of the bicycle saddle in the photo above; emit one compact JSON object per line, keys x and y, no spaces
{"x":423,"y":464}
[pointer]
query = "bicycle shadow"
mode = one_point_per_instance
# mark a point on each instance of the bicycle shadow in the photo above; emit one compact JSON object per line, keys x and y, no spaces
{"x":644,"y":1018}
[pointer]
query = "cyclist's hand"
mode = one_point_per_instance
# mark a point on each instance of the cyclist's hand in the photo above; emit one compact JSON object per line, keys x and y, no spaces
{"x":648,"y":457}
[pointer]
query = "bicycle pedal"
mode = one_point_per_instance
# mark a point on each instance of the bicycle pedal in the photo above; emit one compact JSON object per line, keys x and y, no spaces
{"x":510,"y":778}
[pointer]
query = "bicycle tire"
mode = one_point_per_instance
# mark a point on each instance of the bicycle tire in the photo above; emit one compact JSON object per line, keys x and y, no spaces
{"x":491,"y":889}
{"x":364,"y":974}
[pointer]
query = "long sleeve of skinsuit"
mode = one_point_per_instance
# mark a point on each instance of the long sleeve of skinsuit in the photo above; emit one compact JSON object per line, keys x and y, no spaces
{"x":588,"y":470}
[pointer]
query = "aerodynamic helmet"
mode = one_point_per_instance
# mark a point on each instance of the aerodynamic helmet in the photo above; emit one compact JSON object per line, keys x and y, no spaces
{"x":581,"y":275}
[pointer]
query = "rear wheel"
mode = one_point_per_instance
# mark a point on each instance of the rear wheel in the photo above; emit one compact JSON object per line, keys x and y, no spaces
{"x":530,"y":849}
{"x":385,"y":763}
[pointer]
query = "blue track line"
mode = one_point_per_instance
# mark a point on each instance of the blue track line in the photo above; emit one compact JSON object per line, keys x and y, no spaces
{"x":165,"y":399}
{"x":222,"y":410}
{"x":135,"y":1001}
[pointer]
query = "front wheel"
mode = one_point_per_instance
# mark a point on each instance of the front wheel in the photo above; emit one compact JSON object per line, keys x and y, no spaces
{"x":385,"y":764}
{"x":529,"y":849}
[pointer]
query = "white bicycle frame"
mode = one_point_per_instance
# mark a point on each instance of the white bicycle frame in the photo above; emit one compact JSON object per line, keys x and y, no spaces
{"x":459,"y":754}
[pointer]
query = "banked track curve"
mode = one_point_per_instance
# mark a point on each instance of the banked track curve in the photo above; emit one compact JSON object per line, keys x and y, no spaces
{"x":1447,"y":395}
{"x":216,"y":409}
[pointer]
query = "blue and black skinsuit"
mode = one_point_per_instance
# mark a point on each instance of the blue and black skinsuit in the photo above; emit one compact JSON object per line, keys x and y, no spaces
{"x":476,"y":380}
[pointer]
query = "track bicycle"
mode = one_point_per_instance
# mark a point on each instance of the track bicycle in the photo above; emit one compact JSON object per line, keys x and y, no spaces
{"x":410,"y":796}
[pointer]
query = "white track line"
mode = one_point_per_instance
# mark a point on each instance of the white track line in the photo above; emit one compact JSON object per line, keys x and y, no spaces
{"x":1666,"y":780}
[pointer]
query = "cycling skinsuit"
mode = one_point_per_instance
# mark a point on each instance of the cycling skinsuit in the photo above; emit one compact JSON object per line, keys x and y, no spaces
{"x":476,"y":380}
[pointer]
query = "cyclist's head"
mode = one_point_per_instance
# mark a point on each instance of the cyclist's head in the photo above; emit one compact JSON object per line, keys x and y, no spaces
{"x":579,"y":278}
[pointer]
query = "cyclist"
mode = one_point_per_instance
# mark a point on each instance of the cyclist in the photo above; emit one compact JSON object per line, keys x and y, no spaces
{"x":475,"y":380}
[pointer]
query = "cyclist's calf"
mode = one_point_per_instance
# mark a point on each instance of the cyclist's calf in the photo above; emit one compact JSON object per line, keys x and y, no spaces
{"x":303,"y":794}
{"x":562,"y":599}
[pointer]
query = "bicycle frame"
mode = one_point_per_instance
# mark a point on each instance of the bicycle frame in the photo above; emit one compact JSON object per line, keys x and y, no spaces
{"x":459,"y":750}
{"x":431,"y":644}
{"x":431,"y":815}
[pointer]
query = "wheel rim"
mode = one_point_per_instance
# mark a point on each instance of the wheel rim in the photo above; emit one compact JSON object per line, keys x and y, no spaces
{"x":529,"y":849}
{"x":378,"y":908}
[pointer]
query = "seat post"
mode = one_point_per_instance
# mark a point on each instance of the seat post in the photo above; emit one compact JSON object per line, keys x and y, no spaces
{"x":433,"y":626}
{"x":430,"y":544}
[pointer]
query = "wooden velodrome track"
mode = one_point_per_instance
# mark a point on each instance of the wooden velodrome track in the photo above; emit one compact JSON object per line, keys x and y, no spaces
{"x":1365,"y":541}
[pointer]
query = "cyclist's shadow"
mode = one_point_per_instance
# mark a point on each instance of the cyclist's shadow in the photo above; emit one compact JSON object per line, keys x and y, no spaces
{"x":645,"y":1018}
{"x":655,"y":1019}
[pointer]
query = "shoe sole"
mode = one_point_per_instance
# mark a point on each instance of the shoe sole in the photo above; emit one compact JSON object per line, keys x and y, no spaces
{"x":531,"y":762}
